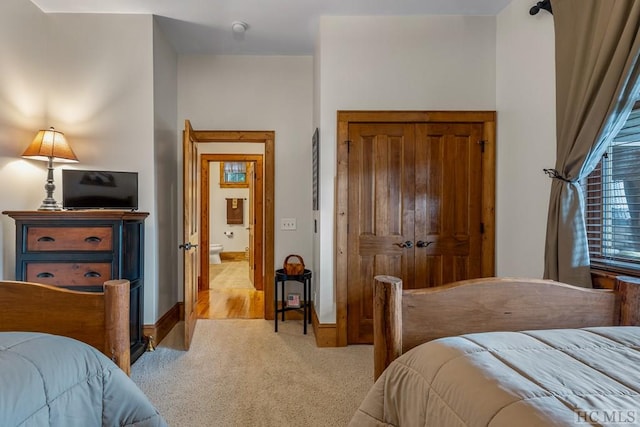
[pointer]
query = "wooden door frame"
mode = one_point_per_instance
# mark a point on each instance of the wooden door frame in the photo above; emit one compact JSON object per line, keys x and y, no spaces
{"x":257,"y":205}
{"x":344,"y":119}
{"x":268,"y":139}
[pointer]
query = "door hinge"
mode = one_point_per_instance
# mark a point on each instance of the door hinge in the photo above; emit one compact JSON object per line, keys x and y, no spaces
{"x":348,"y":142}
{"x":482,"y":143}
{"x":482,"y":228}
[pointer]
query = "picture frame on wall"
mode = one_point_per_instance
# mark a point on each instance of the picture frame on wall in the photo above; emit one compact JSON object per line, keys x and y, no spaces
{"x":315,"y":150}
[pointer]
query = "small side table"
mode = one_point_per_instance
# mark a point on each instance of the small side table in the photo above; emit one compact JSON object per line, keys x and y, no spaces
{"x":305,"y":305}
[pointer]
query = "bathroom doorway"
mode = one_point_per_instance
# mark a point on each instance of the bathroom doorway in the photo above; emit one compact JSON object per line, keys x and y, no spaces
{"x":232,"y":208}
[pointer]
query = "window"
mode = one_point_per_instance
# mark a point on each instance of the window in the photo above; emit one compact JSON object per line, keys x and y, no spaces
{"x":612,"y":201}
{"x":233,"y":174}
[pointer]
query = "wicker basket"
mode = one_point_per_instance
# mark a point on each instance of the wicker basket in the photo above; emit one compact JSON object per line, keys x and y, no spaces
{"x":294,"y":268}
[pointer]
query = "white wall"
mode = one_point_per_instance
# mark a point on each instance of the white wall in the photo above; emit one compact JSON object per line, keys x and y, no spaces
{"x":93,"y":75}
{"x":393,"y":63}
{"x":165,"y":103}
{"x":525,"y":93}
{"x":316,"y":249}
{"x":101,"y":93}
{"x":22,"y":114}
{"x":239,"y":241}
{"x":260,"y":93}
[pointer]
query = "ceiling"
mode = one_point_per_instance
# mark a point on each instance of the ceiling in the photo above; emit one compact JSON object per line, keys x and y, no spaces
{"x":275,"y":27}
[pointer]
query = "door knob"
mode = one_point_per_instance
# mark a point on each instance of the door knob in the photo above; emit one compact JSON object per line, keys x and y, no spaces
{"x":187,"y":246}
{"x":422,"y":244}
{"x":407,"y":244}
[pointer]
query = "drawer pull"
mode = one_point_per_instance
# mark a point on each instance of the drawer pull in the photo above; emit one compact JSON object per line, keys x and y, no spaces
{"x":91,"y":274}
{"x":93,"y":239}
{"x":44,"y":274}
{"x":46,"y":239}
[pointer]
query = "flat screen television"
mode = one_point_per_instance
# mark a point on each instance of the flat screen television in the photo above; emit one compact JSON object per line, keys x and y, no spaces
{"x":92,"y":189}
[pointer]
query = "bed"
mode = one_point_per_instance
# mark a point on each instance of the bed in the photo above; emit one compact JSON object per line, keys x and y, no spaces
{"x":64,"y":358}
{"x":504,"y":352}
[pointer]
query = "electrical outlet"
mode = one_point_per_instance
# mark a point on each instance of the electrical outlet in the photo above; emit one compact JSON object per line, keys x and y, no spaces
{"x":288,"y":224}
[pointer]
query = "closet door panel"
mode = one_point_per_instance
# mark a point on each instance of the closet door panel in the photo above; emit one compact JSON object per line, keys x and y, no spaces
{"x":381,"y":216}
{"x":448,"y":235}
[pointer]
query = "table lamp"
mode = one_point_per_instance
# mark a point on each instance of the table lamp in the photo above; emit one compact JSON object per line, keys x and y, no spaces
{"x":51,"y":146}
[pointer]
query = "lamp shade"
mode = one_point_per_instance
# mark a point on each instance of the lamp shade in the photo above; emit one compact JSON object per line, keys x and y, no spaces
{"x":50,"y":145}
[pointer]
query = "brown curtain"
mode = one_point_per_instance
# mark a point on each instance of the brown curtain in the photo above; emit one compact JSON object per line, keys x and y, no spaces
{"x":597,"y":46}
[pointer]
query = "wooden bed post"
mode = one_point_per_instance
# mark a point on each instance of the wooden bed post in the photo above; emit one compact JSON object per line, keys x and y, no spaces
{"x":387,"y":322}
{"x":117,"y":341}
{"x":629,"y":290}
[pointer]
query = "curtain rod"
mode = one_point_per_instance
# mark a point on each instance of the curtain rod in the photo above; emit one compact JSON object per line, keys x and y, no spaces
{"x":544,"y":4}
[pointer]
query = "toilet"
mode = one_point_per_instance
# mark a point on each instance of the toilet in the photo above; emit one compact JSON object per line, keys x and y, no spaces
{"x":214,"y":253}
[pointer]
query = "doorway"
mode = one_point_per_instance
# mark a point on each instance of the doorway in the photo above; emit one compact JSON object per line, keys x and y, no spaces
{"x":193,"y":140}
{"x":232,"y":238}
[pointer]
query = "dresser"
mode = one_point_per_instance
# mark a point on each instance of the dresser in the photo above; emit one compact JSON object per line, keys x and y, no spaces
{"x":81,"y":250}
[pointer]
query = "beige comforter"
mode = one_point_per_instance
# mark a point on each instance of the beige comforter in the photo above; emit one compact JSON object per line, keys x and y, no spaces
{"x":570,"y":377}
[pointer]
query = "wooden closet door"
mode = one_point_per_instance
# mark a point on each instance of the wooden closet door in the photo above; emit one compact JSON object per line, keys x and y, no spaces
{"x":416,"y":183}
{"x":448,"y":203}
{"x":381,"y":215}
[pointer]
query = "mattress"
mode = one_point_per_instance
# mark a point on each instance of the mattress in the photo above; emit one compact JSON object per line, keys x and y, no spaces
{"x":49,"y":380}
{"x":562,"y":377}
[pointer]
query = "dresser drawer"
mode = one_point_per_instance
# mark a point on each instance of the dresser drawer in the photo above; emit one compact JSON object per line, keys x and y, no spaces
{"x":69,"y":239}
{"x":69,"y":273}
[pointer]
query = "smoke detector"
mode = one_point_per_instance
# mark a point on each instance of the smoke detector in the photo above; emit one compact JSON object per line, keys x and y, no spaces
{"x":239,"y":27}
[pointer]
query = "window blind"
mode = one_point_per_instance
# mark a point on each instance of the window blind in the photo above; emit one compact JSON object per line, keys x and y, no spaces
{"x":612,"y":199}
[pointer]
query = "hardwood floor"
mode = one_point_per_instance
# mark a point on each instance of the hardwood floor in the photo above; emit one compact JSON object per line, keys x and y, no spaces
{"x":231,"y":304}
{"x":230,"y":294}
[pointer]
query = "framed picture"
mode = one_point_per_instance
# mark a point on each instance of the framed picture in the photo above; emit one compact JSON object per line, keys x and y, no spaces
{"x":293,"y":300}
{"x":315,"y":147}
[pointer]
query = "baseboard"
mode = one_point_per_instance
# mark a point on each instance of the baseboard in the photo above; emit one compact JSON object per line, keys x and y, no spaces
{"x":233,"y":256}
{"x":326,"y":333}
{"x":164,"y":325}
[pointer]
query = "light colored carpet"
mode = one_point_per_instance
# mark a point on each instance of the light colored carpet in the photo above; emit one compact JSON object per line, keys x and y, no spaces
{"x":242,"y":373}
{"x":230,"y":275}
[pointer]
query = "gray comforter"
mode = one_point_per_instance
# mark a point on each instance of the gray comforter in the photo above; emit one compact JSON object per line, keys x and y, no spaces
{"x":48,"y":380}
{"x":570,"y":377}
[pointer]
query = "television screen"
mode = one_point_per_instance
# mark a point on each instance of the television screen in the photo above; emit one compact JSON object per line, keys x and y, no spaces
{"x":90,"y":189}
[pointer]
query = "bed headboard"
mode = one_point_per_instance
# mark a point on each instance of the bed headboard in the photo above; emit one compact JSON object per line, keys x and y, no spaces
{"x":100,"y":319}
{"x":404,"y":319}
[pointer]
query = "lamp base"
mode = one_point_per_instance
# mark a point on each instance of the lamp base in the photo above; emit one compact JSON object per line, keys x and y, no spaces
{"x":49,"y":205}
